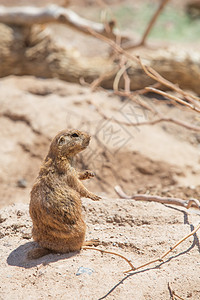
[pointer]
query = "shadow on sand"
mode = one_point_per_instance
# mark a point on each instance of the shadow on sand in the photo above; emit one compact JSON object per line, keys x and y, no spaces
{"x":18,"y":257}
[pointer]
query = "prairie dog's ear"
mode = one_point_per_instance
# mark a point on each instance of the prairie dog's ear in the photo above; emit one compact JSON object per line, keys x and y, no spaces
{"x":61,"y":140}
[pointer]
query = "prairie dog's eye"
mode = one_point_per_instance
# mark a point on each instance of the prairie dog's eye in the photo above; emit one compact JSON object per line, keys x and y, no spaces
{"x":74,"y":135}
{"x":61,"y":140}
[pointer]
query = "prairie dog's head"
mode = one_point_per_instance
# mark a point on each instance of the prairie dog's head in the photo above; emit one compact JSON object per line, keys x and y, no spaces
{"x":68,"y":143}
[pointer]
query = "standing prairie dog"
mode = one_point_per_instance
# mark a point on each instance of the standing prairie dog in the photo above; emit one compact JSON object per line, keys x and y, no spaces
{"x":55,"y":205}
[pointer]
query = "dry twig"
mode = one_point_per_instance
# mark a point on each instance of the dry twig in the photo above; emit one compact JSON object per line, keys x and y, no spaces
{"x":173,"y":295}
{"x":164,"y":200}
{"x":191,"y":101}
{"x":151,"y":122}
{"x":160,"y":259}
{"x":157,"y":77}
{"x":153,"y":20}
{"x":192,"y":202}
{"x":103,"y":77}
{"x":124,"y":65}
{"x":149,"y":26}
{"x":108,"y":252}
{"x":148,"y":70}
{"x":172,"y":97}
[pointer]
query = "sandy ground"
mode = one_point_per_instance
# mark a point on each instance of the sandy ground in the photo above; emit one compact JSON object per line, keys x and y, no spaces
{"x":161,"y":159}
{"x":140,"y":231}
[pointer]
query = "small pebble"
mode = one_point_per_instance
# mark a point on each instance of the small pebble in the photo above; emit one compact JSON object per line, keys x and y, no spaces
{"x":22,"y":183}
{"x":192,"y":187}
{"x":83,"y":270}
{"x":97,"y":228}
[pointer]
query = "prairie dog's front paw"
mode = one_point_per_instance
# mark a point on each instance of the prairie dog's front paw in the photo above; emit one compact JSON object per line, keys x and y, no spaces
{"x":95,"y":197}
{"x":88,"y":174}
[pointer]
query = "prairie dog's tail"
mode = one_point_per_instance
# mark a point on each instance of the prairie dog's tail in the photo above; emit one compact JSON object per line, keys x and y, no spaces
{"x":37,"y":253}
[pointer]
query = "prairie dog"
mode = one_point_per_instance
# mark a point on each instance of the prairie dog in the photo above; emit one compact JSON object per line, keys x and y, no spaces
{"x":55,"y":205}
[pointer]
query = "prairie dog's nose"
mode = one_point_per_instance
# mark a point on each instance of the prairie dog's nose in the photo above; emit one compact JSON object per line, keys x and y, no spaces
{"x":87,"y":135}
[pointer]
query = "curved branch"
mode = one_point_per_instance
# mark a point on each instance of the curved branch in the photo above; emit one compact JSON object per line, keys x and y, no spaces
{"x":28,"y":16}
{"x":164,"y":200}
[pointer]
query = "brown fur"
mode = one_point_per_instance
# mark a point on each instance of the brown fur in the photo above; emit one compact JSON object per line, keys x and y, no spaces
{"x":55,"y":205}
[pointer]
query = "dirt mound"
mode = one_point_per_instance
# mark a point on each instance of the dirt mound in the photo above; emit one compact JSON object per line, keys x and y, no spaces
{"x":131,"y":170}
{"x":140,"y":231}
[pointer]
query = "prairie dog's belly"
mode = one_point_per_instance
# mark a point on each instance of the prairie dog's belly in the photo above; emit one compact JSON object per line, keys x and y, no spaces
{"x":55,"y":203}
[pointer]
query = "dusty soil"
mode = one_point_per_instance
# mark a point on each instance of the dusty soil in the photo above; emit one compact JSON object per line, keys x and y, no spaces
{"x":140,"y":231}
{"x":161,"y":159}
